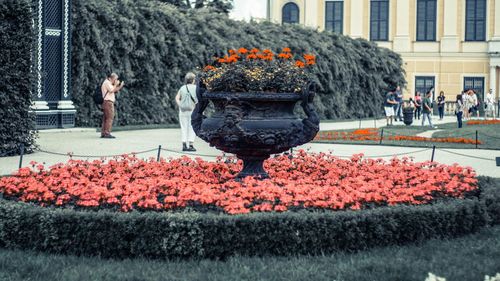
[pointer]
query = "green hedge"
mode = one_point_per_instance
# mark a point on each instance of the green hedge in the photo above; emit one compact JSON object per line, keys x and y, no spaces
{"x":16,"y":38}
{"x":151,"y":45}
{"x":491,"y":197}
{"x":192,"y":234}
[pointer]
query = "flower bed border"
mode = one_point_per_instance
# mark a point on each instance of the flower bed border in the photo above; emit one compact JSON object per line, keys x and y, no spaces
{"x":197,"y":235}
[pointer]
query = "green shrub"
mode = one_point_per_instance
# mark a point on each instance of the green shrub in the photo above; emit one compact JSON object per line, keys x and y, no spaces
{"x":16,"y":123}
{"x":490,"y":195}
{"x":152,"y":45}
{"x":169,"y":235}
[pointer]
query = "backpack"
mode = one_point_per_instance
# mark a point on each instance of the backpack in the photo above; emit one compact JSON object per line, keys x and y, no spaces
{"x":187,"y":104}
{"x":98,"y":99}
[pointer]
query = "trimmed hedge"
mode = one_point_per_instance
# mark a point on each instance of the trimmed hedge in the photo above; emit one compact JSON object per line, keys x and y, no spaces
{"x":152,"y":45}
{"x":191,"y":234}
{"x":16,"y":41}
{"x":491,"y":197}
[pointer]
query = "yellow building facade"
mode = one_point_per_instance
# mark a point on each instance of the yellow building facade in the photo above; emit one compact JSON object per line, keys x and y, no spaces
{"x":447,"y":44}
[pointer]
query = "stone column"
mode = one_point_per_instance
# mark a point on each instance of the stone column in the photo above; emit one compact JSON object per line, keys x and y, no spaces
{"x":402,"y":39}
{"x":496,"y":33}
{"x":311,"y":13}
{"x":493,"y":79}
{"x":450,"y":41}
{"x":357,"y":8}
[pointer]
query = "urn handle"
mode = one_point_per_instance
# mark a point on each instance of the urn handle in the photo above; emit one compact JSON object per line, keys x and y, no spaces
{"x":311,"y":123}
{"x":197,"y":116}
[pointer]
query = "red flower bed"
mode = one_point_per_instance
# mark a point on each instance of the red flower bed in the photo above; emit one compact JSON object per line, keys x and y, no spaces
{"x":372,"y":134}
{"x":483,"y":122}
{"x":305,"y":181}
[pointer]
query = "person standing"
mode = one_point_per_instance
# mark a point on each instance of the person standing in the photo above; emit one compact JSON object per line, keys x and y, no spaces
{"x":418,"y":105}
{"x":109,"y":88}
{"x":390,"y":102}
{"x":186,"y":101}
{"x":489,"y":105}
{"x":427,"y":109}
{"x":398,"y":107}
{"x":441,"y":103}
{"x":459,"y":110}
{"x":474,"y":104}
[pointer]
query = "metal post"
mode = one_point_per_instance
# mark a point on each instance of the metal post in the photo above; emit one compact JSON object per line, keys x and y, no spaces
{"x":381,"y":135}
{"x":21,"y":150}
{"x":433,"y":151}
{"x":476,"y":138}
{"x":158,"y":156}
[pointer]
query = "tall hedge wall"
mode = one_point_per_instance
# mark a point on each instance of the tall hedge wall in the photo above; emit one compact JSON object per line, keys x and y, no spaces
{"x":151,"y":45}
{"x":16,"y":123}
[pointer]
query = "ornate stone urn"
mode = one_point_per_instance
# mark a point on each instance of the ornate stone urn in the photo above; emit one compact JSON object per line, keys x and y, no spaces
{"x":254,"y":125}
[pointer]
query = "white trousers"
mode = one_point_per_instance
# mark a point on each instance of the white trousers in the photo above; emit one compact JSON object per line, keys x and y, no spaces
{"x":187,"y":131}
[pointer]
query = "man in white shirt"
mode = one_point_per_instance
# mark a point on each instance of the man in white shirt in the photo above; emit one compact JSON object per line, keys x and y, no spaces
{"x":489,"y":105}
{"x":109,"y":88}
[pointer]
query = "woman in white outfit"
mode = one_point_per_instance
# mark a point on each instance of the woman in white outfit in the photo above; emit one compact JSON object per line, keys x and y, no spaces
{"x":186,"y":100}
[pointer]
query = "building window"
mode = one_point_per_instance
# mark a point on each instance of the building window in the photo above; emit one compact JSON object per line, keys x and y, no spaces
{"x":475,"y":20}
{"x":290,"y":13}
{"x":379,"y":20}
{"x":426,"y":20}
{"x":476,"y":84}
{"x":334,"y":16}
{"x":423,"y":84}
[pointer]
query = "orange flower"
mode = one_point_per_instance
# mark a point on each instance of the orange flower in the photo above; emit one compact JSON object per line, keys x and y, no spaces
{"x":209,"y":68}
{"x":254,"y":51}
{"x":233,"y":58}
{"x":310,"y":59}
{"x":285,"y":56}
{"x":232,"y":52}
{"x":242,"y":51}
{"x":252,"y":56}
{"x":287,"y":50}
{"x":223,"y":60}
{"x":267,"y":51}
{"x":300,"y":64}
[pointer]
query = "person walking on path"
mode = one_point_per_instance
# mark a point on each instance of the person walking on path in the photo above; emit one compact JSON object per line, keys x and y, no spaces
{"x":418,"y":105}
{"x":489,"y":105}
{"x":390,"y":102}
{"x":474,"y":104}
{"x":427,"y":109}
{"x":186,"y":100}
{"x":398,"y":107}
{"x":465,"y":101}
{"x":441,"y":103}
{"x":459,"y":110}
{"x":109,"y":88}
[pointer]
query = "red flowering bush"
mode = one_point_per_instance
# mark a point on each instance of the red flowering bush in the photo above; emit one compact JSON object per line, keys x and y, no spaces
{"x":315,"y":181}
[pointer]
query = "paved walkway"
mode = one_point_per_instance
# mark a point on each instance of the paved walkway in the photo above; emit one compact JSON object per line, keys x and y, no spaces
{"x":86,"y":144}
{"x":377,"y":123}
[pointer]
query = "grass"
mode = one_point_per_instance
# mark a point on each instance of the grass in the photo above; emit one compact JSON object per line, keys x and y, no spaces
{"x":489,"y":135}
{"x":467,"y":258}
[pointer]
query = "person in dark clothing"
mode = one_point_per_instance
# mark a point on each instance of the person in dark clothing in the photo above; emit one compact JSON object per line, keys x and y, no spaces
{"x":418,"y":105}
{"x":441,"y":103}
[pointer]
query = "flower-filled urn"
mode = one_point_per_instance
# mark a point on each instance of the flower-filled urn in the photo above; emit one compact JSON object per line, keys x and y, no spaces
{"x":254,"y":94}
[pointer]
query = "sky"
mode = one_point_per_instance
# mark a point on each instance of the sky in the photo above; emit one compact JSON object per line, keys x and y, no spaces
{"x":246,"y":9}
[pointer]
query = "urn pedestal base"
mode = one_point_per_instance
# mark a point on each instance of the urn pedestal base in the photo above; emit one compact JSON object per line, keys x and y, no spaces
{"x":254,"y":167}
